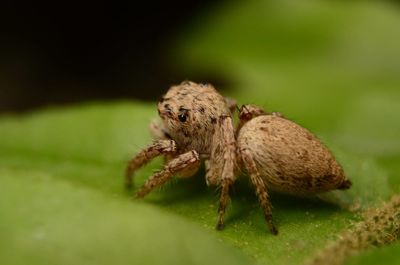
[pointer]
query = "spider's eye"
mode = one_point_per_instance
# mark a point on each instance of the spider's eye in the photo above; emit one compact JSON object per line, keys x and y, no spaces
{"x":182,"y":117}
{"x":183,"y":114}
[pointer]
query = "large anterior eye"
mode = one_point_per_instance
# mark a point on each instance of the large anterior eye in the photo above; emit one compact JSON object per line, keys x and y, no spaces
{"x":182,"y":117}
{"x":183,"y":114}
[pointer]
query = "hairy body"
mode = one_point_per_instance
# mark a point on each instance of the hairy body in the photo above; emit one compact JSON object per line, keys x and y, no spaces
{"x":196,"y":125}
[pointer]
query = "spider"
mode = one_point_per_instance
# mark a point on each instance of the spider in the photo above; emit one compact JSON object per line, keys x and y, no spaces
{"x":277,"y":154}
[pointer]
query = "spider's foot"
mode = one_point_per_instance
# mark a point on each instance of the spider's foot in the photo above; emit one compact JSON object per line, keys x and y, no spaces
{"x":273,"y":230}
{"x":220,"y":225}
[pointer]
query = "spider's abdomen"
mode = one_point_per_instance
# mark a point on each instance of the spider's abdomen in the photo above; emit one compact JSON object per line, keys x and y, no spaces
{"x":289,"y":158}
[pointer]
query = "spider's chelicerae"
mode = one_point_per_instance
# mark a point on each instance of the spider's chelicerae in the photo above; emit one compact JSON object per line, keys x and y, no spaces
{"x":196,"y":125}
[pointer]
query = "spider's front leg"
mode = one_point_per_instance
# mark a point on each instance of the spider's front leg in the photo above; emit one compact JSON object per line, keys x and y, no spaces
{"x":184,"y":162}
{"x":224,"y":155}
{"x":157,"y":148}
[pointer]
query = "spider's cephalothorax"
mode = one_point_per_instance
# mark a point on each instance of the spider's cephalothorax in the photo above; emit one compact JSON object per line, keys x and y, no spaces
{"x":196,"y":124}
{"x":190,"y":112}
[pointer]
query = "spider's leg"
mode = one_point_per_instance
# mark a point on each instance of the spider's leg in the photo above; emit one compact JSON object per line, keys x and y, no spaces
{"x":227,"y":148}
{"x":155,"y":149}
{"x":181,"y":163}
{"x":249,"y":111}
{"x":260,"y":187}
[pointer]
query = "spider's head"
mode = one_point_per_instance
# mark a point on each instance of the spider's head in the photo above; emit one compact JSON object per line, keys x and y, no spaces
{"x":190,"y":112}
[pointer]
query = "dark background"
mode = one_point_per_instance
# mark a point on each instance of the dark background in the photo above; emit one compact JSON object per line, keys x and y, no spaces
{"x":61,"y":52}
{"x":64,"y":51}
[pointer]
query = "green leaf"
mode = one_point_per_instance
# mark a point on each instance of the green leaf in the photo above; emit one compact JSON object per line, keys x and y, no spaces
{"x":61,"y":173}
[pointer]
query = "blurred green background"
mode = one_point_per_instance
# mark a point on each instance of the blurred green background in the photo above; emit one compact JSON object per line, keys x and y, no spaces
{"x":331,"y":66}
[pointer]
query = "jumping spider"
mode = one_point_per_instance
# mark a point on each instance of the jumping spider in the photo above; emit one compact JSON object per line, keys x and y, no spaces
{"x":196,"y":125}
